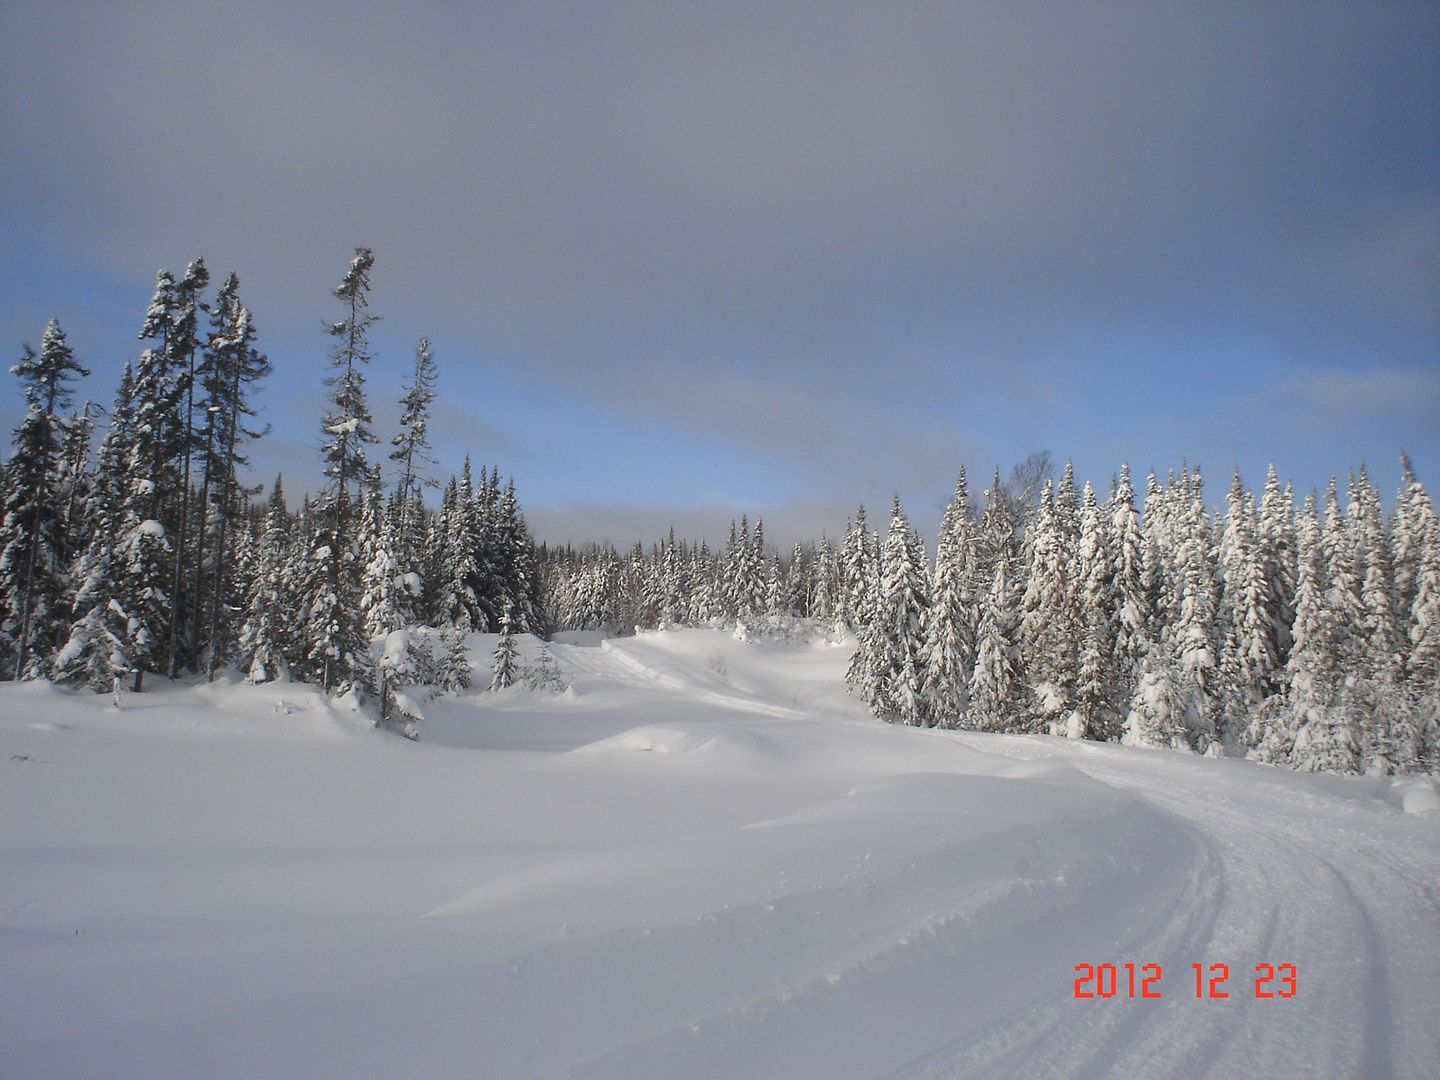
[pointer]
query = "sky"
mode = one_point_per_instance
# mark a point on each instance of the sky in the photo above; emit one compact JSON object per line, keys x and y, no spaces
{"x":679,"y":261}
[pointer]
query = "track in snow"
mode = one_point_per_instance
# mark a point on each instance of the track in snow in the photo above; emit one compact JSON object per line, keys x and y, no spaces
{"x":705,"y":862}
{"x":1290,"y":870}
{"x":1295,"y":875}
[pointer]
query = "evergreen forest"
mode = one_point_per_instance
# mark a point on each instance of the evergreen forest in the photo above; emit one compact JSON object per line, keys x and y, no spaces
{"x":134,"y":546}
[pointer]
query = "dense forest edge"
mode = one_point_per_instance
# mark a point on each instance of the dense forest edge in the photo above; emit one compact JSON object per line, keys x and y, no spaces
{"x":1306,"y":637}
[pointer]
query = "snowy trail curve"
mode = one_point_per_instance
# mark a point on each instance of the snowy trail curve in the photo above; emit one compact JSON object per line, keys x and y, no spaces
{"x":704,"y":862}
{"x":1299,"y":878}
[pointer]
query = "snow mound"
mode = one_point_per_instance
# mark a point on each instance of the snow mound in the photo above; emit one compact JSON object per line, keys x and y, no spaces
{"x":654,"y":739}
{"x":706,"y":861}
{"x":1416,"y":796}
{"x":685,"y":739}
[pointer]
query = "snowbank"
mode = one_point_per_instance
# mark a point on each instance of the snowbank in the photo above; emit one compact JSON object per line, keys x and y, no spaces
{"x":703,"y":861}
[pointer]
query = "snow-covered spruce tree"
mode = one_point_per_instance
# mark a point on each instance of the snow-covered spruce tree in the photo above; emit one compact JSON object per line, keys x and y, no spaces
{"x":1323,"y":739}
{"x":208,"y":453}
{"x":855,"y":573}
{"x":1067,"y":503}
{"x":517,"y":577}
{"x":1407,"y":540}
{"x":152,"y":388}
{"x":1331,"y":739}
{"x":265,"y":634}
{"x":411,"y":454}
{"x":459,"y":581}
{"x":1132,"y":612}
{"x":896,"y":634}
{"x":295,"y":576}
{"x":347,"y":423}
{"x":1049,"y":624}
{"x":1159,"y":708}
{"x":1376,"y":695}
{"x":673,"y":583}
{"x":647,"y":586}
{"x":822,"y":604}
{"x":1192,"y":637}
{"x":1096,"y":713}
{"x":381,"y":590}
{"x":332,"y":649}
{"x":184,"y":348}
{"x":96,"y":642}
{"x":545,"y":673}
{"x":775,"y":599}
{"x":1343,"y":605}
{"x":492,"y":586}
{"x":143,"y":561}
{"x":157,"y":395}
{"x":690,"y":580}
{"x":1327,"y":741}
{"x":1158,"y":567}
{"x":505,"y":668}
{"x":96,"y":652}
{"x":950,"y":625}
{"x":1277,"y":540}
{"x":452,"y":666}
{"x":232,"y":366}
{"x":1249,"y":653}
{"x":108,"y":483}
{"x":586,"y":611}
{"x":754,"y":583}
{"x":1372,"y":556}
{"x":34,"y":614}
{"x":597,"y":592}
{"x":705,"y":605}
{"x":858,"y":612}
{"x":404,"y":661}
{"x":995,"y":687}
{"x":726,"y":573}
{"x":799,"y":579}
{"x":1309,"y":676}
{"x":1423,"y":663}
{"x":75,"y":483}
{"x":999,"y":537}
{"x":744,"y":575}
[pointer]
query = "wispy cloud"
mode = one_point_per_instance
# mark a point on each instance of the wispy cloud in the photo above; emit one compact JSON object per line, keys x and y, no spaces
{"x":1363,"y":397}
{"x":861,"y":244}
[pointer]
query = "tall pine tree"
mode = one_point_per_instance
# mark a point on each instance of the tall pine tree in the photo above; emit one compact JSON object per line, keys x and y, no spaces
{"x":32,"y":541}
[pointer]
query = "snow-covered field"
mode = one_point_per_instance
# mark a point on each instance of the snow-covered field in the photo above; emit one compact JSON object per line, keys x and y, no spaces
{"x":702,"y":861}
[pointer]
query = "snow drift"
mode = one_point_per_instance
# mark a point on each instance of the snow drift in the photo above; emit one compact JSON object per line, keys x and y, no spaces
{"x":701,"y":861}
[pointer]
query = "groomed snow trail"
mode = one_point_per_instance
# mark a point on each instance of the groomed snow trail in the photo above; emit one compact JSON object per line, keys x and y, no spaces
{"x":1318,"y":872}
{"x":704,"y":861}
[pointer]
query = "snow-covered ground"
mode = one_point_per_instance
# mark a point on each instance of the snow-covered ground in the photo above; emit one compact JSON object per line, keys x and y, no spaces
{"x":702,"y":861}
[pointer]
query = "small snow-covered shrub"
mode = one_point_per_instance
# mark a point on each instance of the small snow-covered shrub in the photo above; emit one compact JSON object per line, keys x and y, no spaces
{"x":545,"y":673}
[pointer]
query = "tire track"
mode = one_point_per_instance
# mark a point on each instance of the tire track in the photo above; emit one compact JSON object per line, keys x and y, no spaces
{"x":1290,"y":863}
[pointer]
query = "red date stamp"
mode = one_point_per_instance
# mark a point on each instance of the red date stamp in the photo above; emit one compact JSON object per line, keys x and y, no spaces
{"x":1142,"y":982}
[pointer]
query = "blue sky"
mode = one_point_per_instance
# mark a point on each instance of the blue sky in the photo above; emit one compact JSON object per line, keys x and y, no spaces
{"x":679,"y":260}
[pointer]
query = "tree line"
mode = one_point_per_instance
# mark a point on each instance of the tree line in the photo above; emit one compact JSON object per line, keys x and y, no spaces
{"x":1307,"y":638}
{"x":148,"y":554}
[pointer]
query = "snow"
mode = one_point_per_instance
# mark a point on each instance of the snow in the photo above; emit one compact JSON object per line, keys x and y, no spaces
{"x":702,"y":861}
{"x":408,"y":705}
{"x":395,"y":648}
{"x":1415,"y":795}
